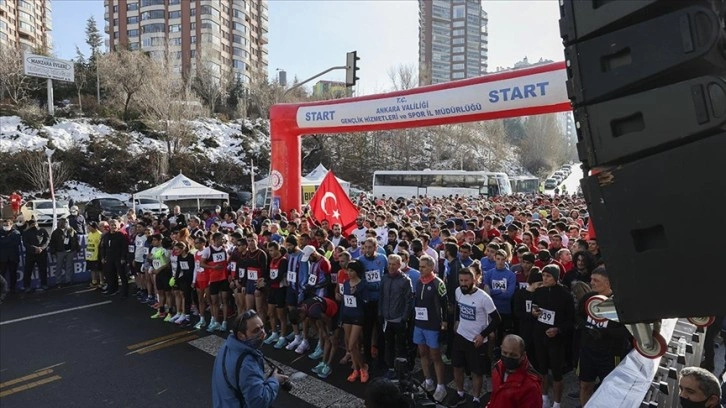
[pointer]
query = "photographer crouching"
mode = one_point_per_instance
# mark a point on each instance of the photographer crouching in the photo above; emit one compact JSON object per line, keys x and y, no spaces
{"x":238,"y":377}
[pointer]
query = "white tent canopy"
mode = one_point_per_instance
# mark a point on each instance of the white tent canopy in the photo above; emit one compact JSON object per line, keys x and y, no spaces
{"x":316,"y":177}
{"x":182,"y":187}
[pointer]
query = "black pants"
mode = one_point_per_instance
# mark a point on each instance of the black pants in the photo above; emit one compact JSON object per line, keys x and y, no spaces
{"x":396,"y":335}
{"x":708,"y":344}
{"x":370,"y":318}
{"x":10,"y":269}
{"x":114,"y":269}
{"x":31,"y":260}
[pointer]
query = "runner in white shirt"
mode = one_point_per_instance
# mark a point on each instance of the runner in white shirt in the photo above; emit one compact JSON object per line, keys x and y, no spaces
{"x":476,"y":318}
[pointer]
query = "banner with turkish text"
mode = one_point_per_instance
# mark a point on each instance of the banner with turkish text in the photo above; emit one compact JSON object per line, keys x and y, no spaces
{"x":331,"y":203}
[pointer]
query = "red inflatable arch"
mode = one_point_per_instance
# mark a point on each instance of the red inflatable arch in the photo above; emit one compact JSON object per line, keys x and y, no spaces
{"x":524,"y":92}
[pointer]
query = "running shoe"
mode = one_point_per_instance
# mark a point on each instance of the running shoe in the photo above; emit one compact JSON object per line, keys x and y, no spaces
{"x":318,"y":353}
{"x":318,"y":367}
{"x":200,"y":324}
{"x":280,"y":343}
{"x":325,"y":371}
{"x":303,"y":347}
{"x":223,"y":326}
{"x":213,"y":326}
{"x":272,"y":338}
{"x":296,"y":342}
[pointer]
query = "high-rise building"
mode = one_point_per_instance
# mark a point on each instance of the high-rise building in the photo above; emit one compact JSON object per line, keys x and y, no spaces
{"x":453,"y":40}
{"x":25,"y":24}
{"x":225,"y":35}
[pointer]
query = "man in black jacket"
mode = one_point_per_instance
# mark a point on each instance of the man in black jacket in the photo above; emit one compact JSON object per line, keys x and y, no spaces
{"x":113,"y":258}
{"x":36,"y":242}
{"x":10,"y":240}
{"x":64,"y":246}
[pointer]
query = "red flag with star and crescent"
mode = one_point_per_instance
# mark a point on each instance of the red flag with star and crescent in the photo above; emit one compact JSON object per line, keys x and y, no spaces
{"x":331,"y":203}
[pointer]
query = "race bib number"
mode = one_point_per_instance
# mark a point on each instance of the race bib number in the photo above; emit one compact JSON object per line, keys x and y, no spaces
{"x":273,"y":273}
{"x":218,"y":257}
{"x":156,"y":263}
{"x":253,"y":274}
{"x":184,"y":265}
{"x":528,"y":306}
{"x":350,"y":301}
{"x":467,"y":312}
{"x":291,"y":277}
{"x":340,"y":288}
{"x":89,"y":255}
{"x":197,"y":266}
{"x":132,"y":248}
{"x":442,"y":254}
{"x":66,"y":241}
{"x":422,"y":314}
{"x":334,"y":277}
{"x":547,"y":317}
{"x":233,"y":266}
{"x":241,"y":272}
{"x":523,"y":285}
{"x":499,"y":284}
{"x":373,"y":276}
{"x":312,"y":279}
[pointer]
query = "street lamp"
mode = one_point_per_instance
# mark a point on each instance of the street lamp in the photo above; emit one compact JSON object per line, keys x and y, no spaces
{"x":49,"y":153}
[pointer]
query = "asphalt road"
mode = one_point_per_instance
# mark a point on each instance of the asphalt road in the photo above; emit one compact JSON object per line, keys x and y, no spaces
{"x":73,"y":347}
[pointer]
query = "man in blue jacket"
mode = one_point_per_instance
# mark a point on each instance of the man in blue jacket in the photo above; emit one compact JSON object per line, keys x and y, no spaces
{"x":502,"y":282}
{"x":238,"y":377}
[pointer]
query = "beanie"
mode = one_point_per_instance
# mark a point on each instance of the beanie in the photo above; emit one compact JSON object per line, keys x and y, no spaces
{"x":553,"y":270}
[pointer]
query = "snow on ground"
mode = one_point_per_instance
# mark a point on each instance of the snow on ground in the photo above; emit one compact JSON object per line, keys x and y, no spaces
{"x":82,"y":193}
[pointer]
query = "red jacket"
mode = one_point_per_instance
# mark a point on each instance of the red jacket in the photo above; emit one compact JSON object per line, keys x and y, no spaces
{"x":522,"y":388}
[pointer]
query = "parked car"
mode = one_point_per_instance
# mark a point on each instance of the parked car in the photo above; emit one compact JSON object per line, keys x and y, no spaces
{"x":106,"y":207}
{"x":550,"y":184}
{"x":42,"y":211}
{"x":144,"y":205}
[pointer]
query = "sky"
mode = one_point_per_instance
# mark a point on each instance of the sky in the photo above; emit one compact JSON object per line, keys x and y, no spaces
{"x":307,"y":37}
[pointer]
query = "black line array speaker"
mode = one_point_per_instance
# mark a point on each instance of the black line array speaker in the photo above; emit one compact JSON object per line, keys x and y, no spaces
{"x":647,"y":82}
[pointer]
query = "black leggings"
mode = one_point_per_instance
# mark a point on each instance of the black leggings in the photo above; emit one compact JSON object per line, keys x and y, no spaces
{"x":370,"y":322}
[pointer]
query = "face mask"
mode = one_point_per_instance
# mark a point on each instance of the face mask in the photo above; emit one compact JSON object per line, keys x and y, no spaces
{"x":692,"y":404}
{"x":510,"y":363}
{"x":7,"y":228}
{"x":255,"y":342}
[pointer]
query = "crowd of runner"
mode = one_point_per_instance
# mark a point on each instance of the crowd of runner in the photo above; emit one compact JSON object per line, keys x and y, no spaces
{"x":441,"y":280}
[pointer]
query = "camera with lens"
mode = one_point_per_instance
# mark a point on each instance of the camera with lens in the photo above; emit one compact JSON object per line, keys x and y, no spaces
{"x":287,"y":385}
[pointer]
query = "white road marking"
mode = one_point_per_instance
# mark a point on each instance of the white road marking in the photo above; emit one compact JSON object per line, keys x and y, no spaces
{"x":310,"y":389}
{"x":22,"y":319}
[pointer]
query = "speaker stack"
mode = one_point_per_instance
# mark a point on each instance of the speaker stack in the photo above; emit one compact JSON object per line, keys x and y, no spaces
{"x":647,"y":83}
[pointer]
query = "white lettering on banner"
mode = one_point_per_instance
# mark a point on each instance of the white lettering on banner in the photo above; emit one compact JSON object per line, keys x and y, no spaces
{"x":547,"y":317}
{"x":499,"y":284}
{"x":253,"y":274}
{"x":543,"y":89}
{"x":422,"y":314}
{"x":599,"y":325}
{"x":273,"y":273}
{"x":291,"y":277}
{"x":373,"y":276}
{"x":350,"y":301}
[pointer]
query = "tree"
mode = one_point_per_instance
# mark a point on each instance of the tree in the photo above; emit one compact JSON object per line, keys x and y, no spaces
{"x":262,"y":94}
{"x":544,"y":146}
{"x":209,"y":83}
{"x":94,"y":41}
{"x":126,"y":73}
{"x":80,"y":75}
{"x":13,"y":81}
{"x":35,"y":170}
{"x":403,"y":77}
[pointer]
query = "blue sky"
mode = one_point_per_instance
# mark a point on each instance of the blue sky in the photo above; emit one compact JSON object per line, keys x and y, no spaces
{"x":307,"y":37}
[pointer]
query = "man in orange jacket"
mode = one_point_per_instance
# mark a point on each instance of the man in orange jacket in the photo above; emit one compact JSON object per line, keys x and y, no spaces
{"x":514,"y":382}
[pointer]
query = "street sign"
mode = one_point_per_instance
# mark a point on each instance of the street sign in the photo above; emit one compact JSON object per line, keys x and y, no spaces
{"x":47,"y":67}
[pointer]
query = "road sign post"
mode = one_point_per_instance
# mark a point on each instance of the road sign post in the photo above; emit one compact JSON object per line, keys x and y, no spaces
{"x":50,"y":68}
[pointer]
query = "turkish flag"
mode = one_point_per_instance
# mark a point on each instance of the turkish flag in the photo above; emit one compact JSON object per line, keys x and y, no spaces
{"x":331,"y":203}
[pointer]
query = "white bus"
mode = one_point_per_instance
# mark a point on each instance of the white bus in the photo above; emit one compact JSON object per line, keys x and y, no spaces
{"x":439,"y":183}
{"x":524,"y":184}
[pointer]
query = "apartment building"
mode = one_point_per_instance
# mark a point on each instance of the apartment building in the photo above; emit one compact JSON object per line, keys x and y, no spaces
{"x":25,"y":24}
{"x":225,"y":35}
{"x":453,"y":40}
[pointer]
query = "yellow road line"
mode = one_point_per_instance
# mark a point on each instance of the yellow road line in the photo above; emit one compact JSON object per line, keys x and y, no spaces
{"x":168,"y":343}
{"x":158,"y":339}
{"x":36,"y":374}
{"x":26,"y":387}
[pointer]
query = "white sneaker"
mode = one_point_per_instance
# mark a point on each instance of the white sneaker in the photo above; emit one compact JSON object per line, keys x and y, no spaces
{"x":440,"y":393}
{"x":546,"y":402}
{"x":293,"y":345}
{"x":303,"y":347}
{"x":429,"y":386}
{"x":176,"y":317}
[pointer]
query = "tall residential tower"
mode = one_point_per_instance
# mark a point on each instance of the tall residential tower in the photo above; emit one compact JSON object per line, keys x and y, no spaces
{"x":226,"y":35}
{"x":453,"y":40}
{"x":25,"y":24}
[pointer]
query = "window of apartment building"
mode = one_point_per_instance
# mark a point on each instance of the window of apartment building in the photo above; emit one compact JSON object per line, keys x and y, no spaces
{"x":146,"y":3}
{"x":459,"y":11}
{"x":174,"y":28}
{"x":239,"y":27}
{"x":473,"y":20}
{"x":175,"y":41}
{"x":239,"y":39}
{"x":458,"y":32}
{"x":132,"y":33}
{"x":458,"y":57}
{"x":211,"y":25}
{"x":26,"y":27}
{"x":457,"y":67}
{"x":132,"y":6}
{"x":153,"y":28}
{"x":237,"y":64}
{"x":176,"y":55}
{"x":238,"y":13}
{"x":115,"y":34}
{"x":239,"y":52}
{"x":132,"y":20}
{"x":25,"y":5}
{"x":456,"y":50}
{"x":174,"y":2}
{"x":459,"y":24}
{"x":193,"y":54}
{"x":458,"y":41}
{"x":473,"y":10}
{"x":115,"y":9}
{"x":149,"y":15}
{"x":134,"y":46}
{"x":457,"y":75}
{"x":194,"y":39}
{"x":174,"y":14}
{"x":193,"y":12}
{"x":193,"y":26}
{"x":441,"y":12}
{"x":210,"y":10}
{"x":26,"y":16}
{"x":153,"y":41}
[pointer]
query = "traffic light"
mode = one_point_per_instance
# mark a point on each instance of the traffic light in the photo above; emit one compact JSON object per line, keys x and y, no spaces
{"x":351,"y":66}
